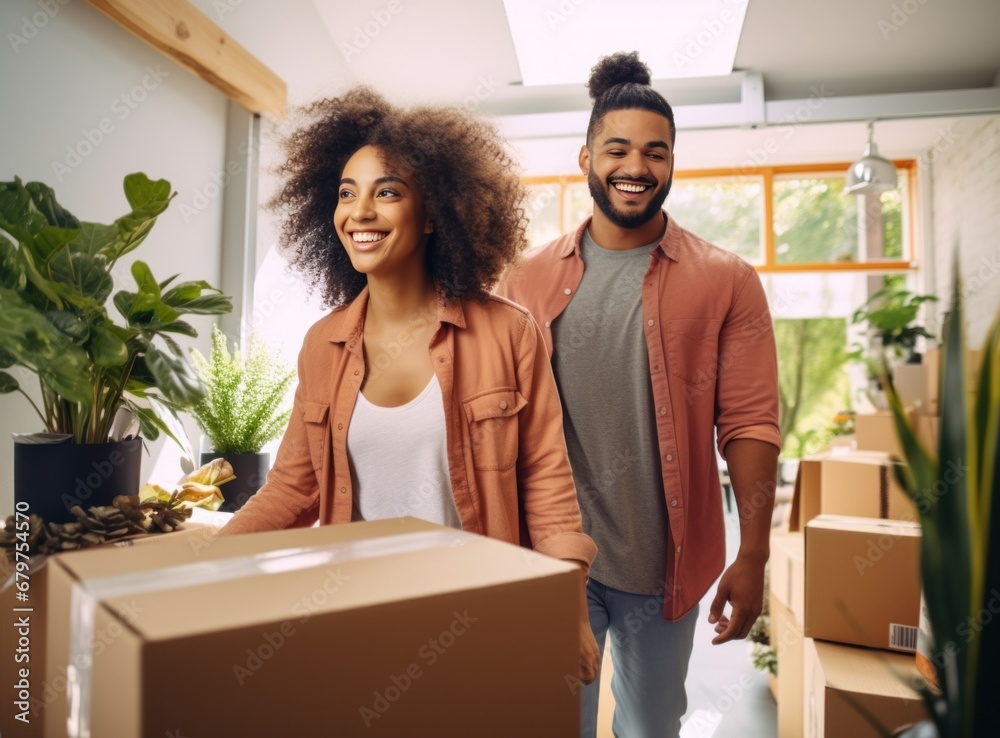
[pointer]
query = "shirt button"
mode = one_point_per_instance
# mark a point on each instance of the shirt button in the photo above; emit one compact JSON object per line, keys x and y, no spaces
{"x":503,"y":404}
{"x":673,"y":503}
{"x":663,"y":411}
{"x":440,"y":360}
{"x":356,"y":372}
{"x":678,"y":549}
{"x":568,"y":291}
{"x":548,"y":323}
{"x":670,"y":457}
{"x":340,"y":426}
{"x":343,"y":490}
{"x":649,"y":322}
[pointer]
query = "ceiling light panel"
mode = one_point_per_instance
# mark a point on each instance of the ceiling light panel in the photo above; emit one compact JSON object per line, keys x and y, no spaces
{"x":558,"y":42}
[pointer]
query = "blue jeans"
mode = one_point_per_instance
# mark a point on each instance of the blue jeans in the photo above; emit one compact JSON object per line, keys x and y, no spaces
{"x":650,"y":659}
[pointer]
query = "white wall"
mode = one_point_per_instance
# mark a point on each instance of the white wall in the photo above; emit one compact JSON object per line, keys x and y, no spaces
{"x":292,"y":40}
{"x":966,"y":216}
{"x":74,"y":71}
{"x":64,"y":70}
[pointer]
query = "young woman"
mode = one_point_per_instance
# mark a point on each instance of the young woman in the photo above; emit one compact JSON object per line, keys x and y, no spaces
{"x":420,"y":394}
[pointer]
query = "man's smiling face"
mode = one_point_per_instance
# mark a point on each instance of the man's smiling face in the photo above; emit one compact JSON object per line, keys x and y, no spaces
{"x":629,"y":166}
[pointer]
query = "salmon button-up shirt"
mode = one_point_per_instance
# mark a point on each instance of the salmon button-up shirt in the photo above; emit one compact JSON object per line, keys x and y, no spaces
{"x":507,"y":457}
{"x":713,"y":367}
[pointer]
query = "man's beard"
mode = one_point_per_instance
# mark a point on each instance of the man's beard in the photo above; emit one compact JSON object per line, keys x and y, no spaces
{"x":626,"y":220}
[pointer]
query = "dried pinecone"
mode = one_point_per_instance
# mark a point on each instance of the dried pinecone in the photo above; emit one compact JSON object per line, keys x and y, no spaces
{"x":126,"y":516}
{"x":35,"y":534}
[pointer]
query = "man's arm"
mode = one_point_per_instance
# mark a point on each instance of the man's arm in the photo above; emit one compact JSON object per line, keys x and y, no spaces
{"x":749,"y":439}
{"x":753,"y":470}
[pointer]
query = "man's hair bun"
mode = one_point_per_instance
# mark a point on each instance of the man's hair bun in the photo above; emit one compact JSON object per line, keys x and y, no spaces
{"x":619,"y":68}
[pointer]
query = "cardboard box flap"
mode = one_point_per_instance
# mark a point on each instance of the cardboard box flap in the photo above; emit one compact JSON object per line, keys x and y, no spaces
{"x":876,"y":526}
{"x":186,"y":600}
{"x":203,"y":545}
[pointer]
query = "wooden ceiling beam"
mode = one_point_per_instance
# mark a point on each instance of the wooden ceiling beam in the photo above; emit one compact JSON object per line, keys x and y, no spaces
{"x":189,"y":37}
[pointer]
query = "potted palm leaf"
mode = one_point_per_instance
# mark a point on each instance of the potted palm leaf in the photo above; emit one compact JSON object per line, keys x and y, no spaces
{"x":99,"y":376}
{"x":955,"y":488}
{"x":243,"y":409}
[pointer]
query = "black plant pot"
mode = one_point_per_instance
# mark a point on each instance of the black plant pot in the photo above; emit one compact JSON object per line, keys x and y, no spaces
{"x":250,"y":470}
{"x":49,"y":479}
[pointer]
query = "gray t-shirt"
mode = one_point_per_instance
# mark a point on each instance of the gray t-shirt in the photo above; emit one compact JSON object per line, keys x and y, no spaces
{"x":602,"y":368}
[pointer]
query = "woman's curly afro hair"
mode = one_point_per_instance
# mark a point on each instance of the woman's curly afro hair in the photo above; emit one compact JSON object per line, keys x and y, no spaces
{"x":468,"y":181}
{"x":621,"y":81}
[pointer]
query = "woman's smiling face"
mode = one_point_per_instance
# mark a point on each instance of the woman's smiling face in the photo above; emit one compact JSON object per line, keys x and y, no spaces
{"x":380,"y":217}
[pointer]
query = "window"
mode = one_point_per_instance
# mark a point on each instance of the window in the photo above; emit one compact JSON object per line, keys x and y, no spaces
{"x":789,"y":218}
{"x":725,"y":211}
{"x":816,"y":222}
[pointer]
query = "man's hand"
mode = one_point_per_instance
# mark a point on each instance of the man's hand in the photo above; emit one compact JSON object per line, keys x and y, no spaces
{"x":590,"y":656}
{"x":742,"y":584}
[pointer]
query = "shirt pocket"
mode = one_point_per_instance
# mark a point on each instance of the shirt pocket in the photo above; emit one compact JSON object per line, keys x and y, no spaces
{"x":315,"y":415}
{"x":693,"y":349}
{"x":493,"y":427}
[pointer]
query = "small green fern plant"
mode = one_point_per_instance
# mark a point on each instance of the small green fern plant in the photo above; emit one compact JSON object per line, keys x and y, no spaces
{"x":244,"y":404}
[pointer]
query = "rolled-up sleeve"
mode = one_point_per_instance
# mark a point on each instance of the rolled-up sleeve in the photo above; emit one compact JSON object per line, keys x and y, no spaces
{"x":746,"y":398}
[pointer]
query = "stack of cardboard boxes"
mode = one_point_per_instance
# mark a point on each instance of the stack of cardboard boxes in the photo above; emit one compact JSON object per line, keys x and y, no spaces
{"x":845,"y":580}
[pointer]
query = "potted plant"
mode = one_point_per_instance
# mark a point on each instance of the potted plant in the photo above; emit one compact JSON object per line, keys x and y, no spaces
{"x":890,"y":314}
{"x":98,"y":376}
{"x":243,"y":409}
{"x":956,"y":493}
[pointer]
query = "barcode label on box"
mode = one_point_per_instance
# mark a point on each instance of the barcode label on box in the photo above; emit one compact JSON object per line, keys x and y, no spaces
{"x":902,"y":637}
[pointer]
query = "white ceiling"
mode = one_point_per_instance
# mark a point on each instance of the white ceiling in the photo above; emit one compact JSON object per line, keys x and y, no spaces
{"x":461,"y":52}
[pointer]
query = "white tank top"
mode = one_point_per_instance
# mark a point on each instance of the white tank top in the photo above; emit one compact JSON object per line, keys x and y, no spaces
{"x":399,"y":460}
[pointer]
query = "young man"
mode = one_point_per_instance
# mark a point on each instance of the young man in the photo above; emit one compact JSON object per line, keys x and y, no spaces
{"x":660,"y":341}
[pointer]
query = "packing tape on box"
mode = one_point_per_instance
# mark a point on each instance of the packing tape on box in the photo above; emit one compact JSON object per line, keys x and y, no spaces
{"x":86,"y":595}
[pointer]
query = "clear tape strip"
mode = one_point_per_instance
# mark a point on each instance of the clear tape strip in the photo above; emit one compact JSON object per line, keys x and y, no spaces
{"x":86,"y":595}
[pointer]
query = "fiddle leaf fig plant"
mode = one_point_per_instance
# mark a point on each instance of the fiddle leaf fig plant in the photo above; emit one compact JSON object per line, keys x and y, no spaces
{"x":56,"y":276}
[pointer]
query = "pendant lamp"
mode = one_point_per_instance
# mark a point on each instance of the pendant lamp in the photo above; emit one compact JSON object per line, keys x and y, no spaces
{"x":871,"y":173}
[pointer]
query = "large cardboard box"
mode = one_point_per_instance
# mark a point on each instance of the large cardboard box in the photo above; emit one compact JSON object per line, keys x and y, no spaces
{"x":877,"y":432}
{"x":385,"y":628}
{"x":863,"y":484}
{"x":787,"y":639}
{"x":842,"y":681}
{"x":28,"y":620}
{"x":863,"y":581}
{"x":787,"y":571}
